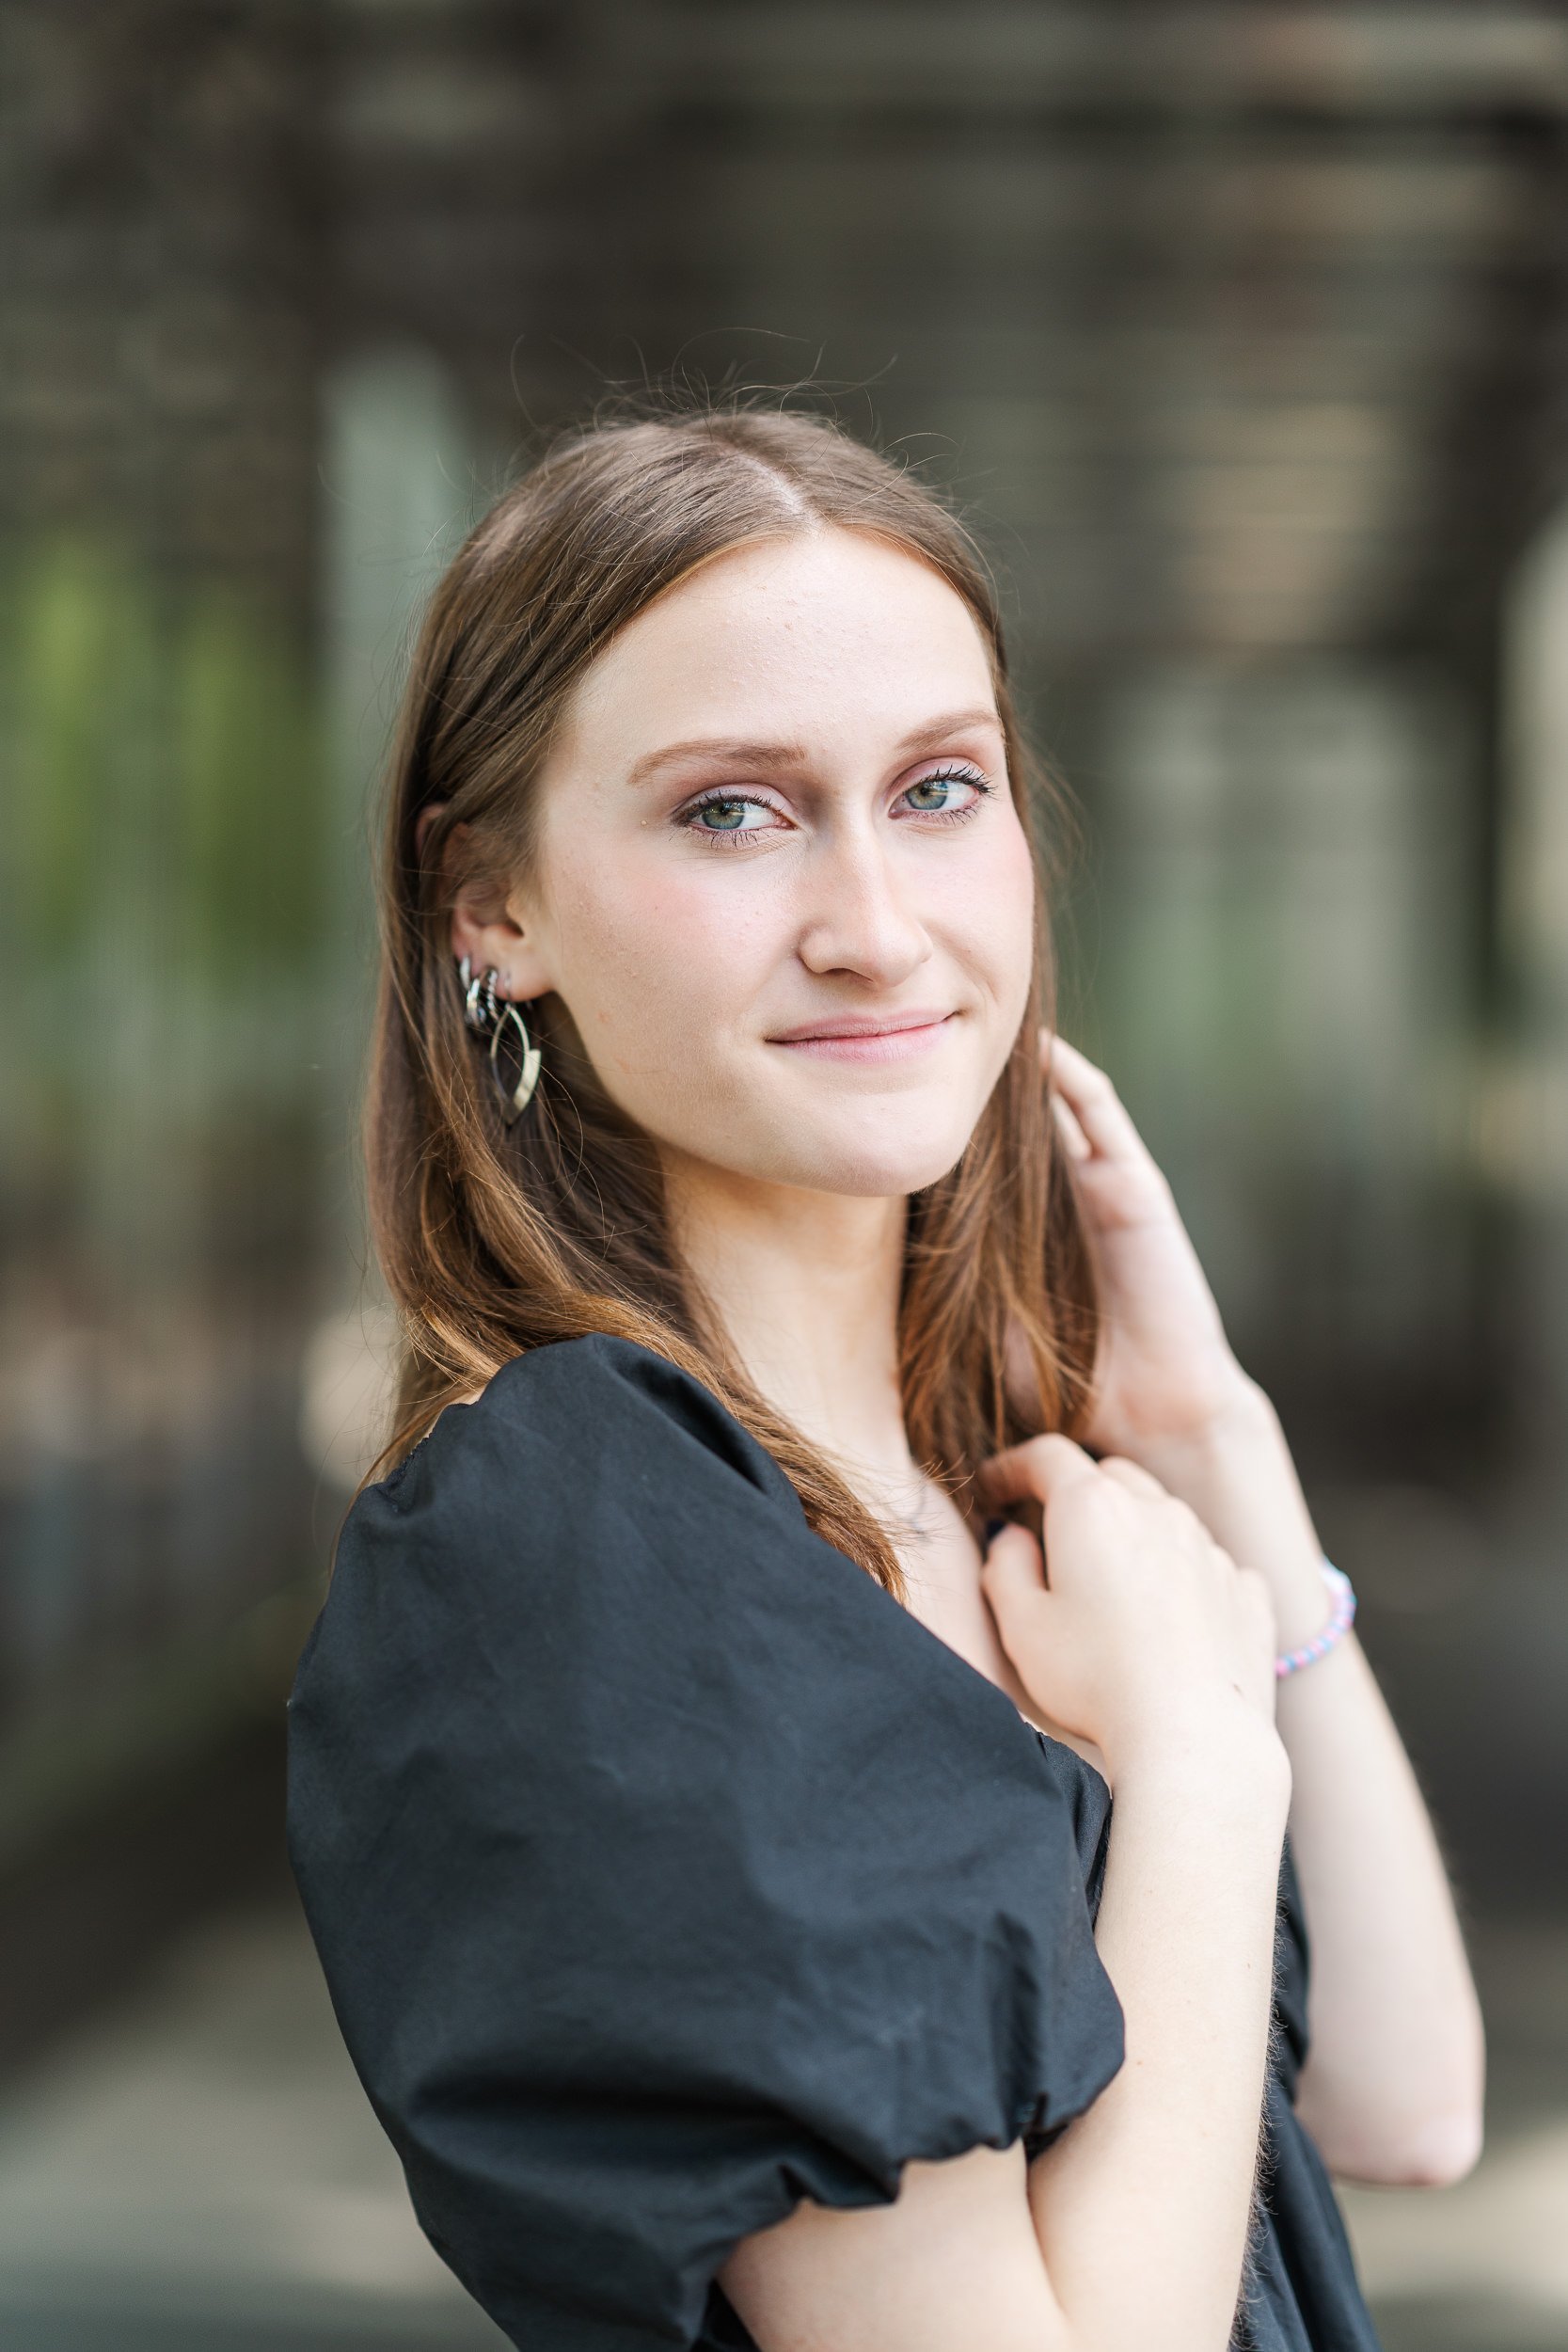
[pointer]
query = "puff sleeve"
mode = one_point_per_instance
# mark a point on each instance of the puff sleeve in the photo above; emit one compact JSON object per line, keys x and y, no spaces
{"x":663,"y":1870}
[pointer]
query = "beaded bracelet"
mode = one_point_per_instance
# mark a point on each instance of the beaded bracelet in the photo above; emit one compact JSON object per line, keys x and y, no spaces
{"x":1341,"y":1617}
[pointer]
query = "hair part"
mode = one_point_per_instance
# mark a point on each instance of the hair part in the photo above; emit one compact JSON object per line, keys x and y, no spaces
{"x":495,"y":1241}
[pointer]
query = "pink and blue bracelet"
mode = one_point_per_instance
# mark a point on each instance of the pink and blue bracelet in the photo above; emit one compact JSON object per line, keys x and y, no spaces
{"x":1341,"y":1617}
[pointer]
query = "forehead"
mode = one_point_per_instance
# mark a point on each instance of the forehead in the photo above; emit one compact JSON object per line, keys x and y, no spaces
{"x":811,"y":632}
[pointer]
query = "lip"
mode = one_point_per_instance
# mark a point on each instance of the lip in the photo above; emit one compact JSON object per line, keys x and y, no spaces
{"x":868,"y":1036}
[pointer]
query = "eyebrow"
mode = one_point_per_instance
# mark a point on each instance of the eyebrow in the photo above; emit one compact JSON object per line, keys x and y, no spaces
{"x":793,"y":755}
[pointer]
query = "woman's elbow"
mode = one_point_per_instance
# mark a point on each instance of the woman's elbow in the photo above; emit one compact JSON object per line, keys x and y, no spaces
{"x":1430,"y":2151}
{"x":1444,"y":2151}
{"x":1416,"y":2124}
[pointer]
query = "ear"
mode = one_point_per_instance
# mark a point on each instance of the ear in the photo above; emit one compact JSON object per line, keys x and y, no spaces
{"x":520,"y":968}
{"x":488,"y":936}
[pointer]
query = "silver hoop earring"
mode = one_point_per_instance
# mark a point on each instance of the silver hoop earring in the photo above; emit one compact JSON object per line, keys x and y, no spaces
{"x":473,"y":994}
{"x":488,"y":1015}
{"x":516,"y":1102}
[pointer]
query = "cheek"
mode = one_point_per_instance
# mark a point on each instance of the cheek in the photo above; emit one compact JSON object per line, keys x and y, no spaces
{"x":651,"y":965}
{"x":990,"y":918}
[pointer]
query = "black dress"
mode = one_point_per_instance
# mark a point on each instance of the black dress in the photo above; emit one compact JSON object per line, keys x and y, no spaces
{"x":666,"y":1871}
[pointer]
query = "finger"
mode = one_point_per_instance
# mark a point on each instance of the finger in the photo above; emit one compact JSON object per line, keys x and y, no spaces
{"x":1073,"y":1138}
{"x":1012,"y":1576}
{"x":1039,"y":1468}
{"x":1132,"y":1475}
{"x":1135,"y":1480}
{"x":1094,"y":1103}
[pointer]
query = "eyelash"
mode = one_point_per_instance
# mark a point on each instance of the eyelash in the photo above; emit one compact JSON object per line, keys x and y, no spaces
{"x":720,"y":798}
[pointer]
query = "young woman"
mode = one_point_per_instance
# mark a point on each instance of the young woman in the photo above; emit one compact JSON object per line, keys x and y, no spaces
{"x":821,"y":1480}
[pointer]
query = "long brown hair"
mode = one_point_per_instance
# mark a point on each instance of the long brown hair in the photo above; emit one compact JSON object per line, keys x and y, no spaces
{"x":495,"y":1241}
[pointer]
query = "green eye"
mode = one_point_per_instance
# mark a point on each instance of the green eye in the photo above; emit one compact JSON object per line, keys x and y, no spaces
{"x":937,"y":795}
{"x":730,"y":815}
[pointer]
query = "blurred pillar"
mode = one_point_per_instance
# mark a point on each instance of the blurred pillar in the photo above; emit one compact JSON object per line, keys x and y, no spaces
{"x":1524,"y":1136}
{"x":399,"y":486}
{"x":1284,"y":980}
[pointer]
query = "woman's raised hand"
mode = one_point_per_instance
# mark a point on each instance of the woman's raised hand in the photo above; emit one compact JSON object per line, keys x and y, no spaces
{"x":1165,"y":1374}
{"x":1148,"y":1638}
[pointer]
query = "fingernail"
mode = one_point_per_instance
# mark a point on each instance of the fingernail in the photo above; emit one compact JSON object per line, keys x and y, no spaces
{"x":993,"y":1529}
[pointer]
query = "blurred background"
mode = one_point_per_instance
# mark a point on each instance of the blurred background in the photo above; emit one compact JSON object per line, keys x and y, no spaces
{"x":1241,"y":332}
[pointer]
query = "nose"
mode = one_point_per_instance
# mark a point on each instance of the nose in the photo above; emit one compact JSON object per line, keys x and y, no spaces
{"x":860,"y":919}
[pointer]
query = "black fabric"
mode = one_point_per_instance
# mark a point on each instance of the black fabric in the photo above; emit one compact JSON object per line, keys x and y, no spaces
{"x":664,"y":1870}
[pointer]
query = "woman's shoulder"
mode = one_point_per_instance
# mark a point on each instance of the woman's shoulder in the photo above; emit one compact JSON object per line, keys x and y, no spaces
{"x":598,"y":1531}
{"x":593,"y":1486}
{"x":595,"y":1498}
{"x":573,"y":1411}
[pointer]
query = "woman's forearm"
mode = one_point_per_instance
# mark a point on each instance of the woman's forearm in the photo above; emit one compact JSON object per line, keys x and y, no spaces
{"x":1392,"y":2091}
{"x":1141,"y":2207}
{"x":1131,"y":2231}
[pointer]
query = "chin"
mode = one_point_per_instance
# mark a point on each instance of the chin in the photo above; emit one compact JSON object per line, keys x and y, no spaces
{"x":866,"y":1168}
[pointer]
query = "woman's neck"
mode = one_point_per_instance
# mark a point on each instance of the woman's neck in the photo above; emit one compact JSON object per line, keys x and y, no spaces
{"x":806,"y":1285}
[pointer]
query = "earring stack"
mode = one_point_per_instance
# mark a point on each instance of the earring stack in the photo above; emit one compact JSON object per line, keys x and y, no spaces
{"x":490,"y":1015}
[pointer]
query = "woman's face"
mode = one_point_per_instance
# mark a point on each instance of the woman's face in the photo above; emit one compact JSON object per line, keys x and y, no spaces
{"x":780,"y":884}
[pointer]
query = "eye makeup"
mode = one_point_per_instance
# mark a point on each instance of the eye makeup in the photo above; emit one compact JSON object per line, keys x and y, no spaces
{"x":731,"y":804}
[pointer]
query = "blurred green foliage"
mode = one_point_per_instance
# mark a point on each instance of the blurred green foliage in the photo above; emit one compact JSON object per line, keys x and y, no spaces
{"x":163,"y":888}
{"x":163,"y":878}
{"x":177,"y":729}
